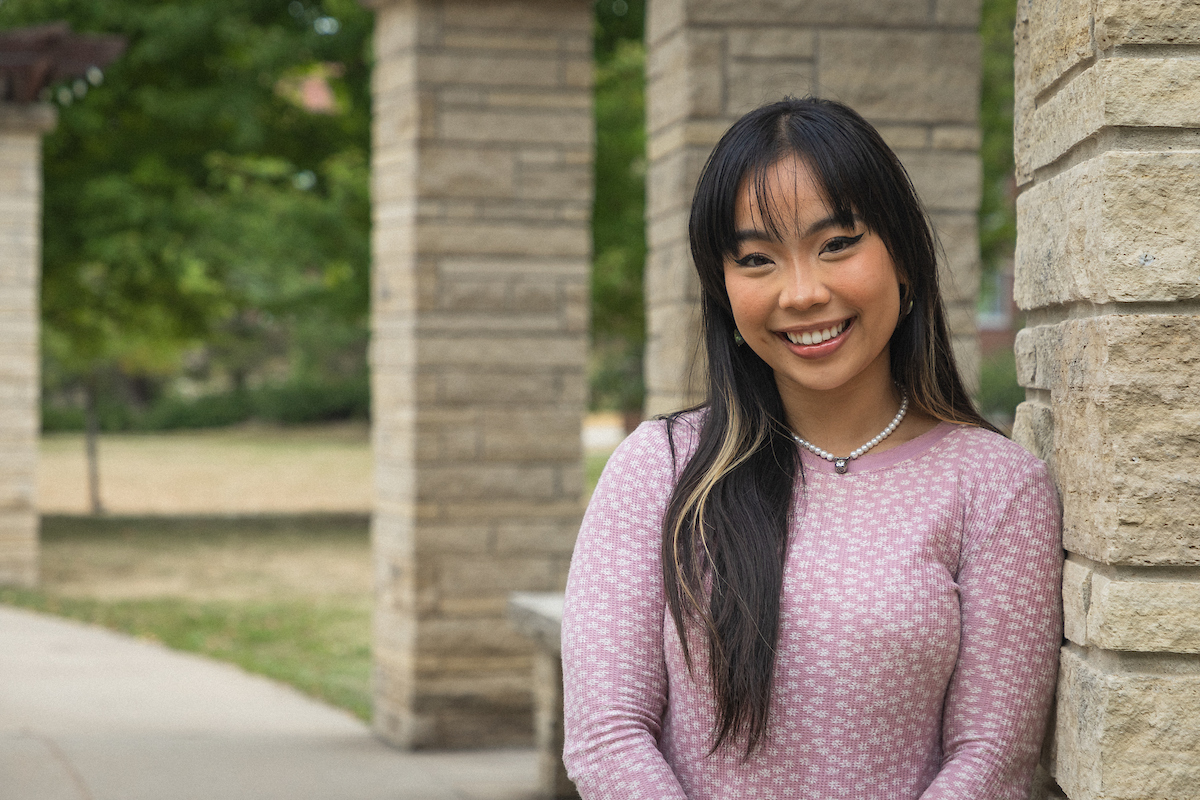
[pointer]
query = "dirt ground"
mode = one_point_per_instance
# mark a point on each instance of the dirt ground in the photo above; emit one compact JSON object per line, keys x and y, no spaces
{"x":204,"y":560}
{"x":194,"y":479}
{"x":244,"y":470}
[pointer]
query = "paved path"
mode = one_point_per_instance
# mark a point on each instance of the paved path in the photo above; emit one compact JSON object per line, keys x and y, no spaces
{"x":87,"y":714}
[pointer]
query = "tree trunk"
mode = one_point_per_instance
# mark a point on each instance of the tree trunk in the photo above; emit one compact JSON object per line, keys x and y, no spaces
{"x":91,"y":433}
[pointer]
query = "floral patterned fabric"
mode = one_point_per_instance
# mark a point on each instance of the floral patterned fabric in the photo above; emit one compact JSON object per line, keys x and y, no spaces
{"x":918,"y":645}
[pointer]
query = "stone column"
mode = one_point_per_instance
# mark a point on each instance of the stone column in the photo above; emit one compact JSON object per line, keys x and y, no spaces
{"x":911,"y":67}
{"x":1108,"y":268}
{"x":21,"y":130}
{"x":482,"y":187}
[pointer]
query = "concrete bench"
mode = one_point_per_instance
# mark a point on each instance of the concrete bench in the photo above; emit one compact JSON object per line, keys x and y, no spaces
{"x":538,"y":615}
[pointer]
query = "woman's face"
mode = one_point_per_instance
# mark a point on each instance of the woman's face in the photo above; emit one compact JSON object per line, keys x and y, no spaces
{"x":819,"y":304}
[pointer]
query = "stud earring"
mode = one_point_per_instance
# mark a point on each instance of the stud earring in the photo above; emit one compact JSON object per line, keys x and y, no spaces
{"x":737,"y":338}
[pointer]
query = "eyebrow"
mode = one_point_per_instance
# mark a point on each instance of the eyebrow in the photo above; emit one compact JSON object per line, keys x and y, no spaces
{"x":754,"y":234}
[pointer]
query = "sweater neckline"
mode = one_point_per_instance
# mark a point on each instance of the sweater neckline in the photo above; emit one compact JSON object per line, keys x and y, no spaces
{"x":873,"y":462}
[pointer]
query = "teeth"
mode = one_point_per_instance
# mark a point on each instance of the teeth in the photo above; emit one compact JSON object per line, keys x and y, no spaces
{"x":816,"y":337}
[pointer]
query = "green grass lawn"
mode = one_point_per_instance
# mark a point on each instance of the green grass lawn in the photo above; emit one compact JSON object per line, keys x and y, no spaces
{"x":288,"y":597}
{"x":237,"y":590}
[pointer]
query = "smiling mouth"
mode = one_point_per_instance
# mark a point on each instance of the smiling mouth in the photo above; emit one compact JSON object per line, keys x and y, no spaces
{"x":816,"y":337}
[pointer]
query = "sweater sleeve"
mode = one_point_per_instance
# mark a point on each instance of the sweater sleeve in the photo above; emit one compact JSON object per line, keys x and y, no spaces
{"x":999,"y":696}
{"x":614,"y":673}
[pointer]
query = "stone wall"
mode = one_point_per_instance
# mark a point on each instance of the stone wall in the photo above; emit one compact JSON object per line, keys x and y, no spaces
{"x":482,"y":188}
{"x":21,"y":129}
{"x":911,"y":67}
{"x":1108,"y":267}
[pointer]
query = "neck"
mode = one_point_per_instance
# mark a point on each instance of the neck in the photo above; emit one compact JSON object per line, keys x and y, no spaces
{"x":841,"y":421}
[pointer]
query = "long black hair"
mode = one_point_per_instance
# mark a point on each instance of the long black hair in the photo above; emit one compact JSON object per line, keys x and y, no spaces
{"x":726,"y":527}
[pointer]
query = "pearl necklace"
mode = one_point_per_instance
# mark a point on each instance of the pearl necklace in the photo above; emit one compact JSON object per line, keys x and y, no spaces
{"x":842,"y":465}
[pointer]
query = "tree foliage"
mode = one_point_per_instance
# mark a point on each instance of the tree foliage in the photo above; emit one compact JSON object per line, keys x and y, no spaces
{"x":190,"y":198}
{"x":618,"y":217}
{"x":997,"y":217}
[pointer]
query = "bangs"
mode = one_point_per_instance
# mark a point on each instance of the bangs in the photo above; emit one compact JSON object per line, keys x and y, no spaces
{"x":771,"y":212}
{"x":850,"y":164}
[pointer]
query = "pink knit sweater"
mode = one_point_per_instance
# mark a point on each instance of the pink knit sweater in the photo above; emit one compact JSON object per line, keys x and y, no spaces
{"x":917,"y":651}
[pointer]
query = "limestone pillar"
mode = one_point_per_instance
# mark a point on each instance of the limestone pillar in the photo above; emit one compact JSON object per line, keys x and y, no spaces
{"x":21,"y":129}
{"x":911,"y":67}
{"x":482,"y":187}
{"x":1108,"y":268}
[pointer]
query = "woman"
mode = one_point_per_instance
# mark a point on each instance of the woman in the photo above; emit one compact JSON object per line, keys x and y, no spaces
{"x":833,"y":579}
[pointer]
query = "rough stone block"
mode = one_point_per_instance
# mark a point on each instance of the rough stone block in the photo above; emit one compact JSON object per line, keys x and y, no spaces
{"x":27,"y":119}
{"x":665,"y":61}
{"x":968,"y":358}
{"x":524,"y":41}
{"x":958,"y":13}
{"x":1033,"y":429}
{"x":466,"y":172}
{"x":1148,"y":22}
{"x":1119,"y":227}
{"x":521,"y":352}
{"x":516,"y":15}
{"x":563,"y":183}
{"x":494,"y":127}
{"x":750,"y":84}
{"x":1038,"y":350}
{"x":1124,"y":423}
{"x":395,"y":32}
{"x":902,"y":76}
{"x":664,"y":18}
{"x":538,"y":536}
{"x":882,"y":13}
{"x":531,"y":434}
{"x":945,"y":180}
{"x":705,"y":85}
{"x":1145,"y":615}
{"x":667,"y":190}
{"x":1077,"y":591}
{"x":904,"y":137}
{"x":957,"y":137}
{"x":958,"y":234}
{"x":670,"y":277}
{"x":491,"y":239}
{"x":494,"y":574}
{"x":1113,"y":92}
{"x":502,"y":98}
{"x":1054,"y":38}
{"x":493,"y":387}
{"x":772,"y":43}
{"x":1125,"y":735}
{"x":516,"y":481}
{"x":684,"y":78}
{"x":673,"y":377}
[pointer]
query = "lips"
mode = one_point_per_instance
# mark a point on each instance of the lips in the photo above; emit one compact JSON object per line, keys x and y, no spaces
{"x":816,"y":337}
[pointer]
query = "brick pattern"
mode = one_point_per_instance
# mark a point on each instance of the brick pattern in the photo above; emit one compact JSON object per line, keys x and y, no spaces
{"x":21,"y":129}
{"x":909,"y":66}
{"x":1107,"y":138}
{"x":482,"y":186}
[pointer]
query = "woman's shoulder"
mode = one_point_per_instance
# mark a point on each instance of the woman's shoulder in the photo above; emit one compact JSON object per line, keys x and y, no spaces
{"x":993,"y":467}
{"x":990,"y":452}
{"x":655,"y":451}
{"x":674,"y":436}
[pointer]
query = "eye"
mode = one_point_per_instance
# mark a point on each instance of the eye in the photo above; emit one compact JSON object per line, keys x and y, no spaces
{"x":839,"y":243}
{"x":753,"y":260}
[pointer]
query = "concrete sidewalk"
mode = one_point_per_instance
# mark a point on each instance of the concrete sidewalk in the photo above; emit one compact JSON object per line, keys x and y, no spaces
{"x":87,"y":714}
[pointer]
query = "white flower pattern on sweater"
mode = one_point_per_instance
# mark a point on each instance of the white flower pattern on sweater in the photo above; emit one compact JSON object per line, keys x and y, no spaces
{"x":918,"y":645}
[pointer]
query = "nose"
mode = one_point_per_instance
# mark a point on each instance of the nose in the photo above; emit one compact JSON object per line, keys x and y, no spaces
{"x":804,"y":287}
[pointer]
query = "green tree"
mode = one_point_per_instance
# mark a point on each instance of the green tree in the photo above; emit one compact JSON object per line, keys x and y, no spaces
{"x":618,"y":217}
{"x":189,"y":196}
{"x":997,"y":217}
